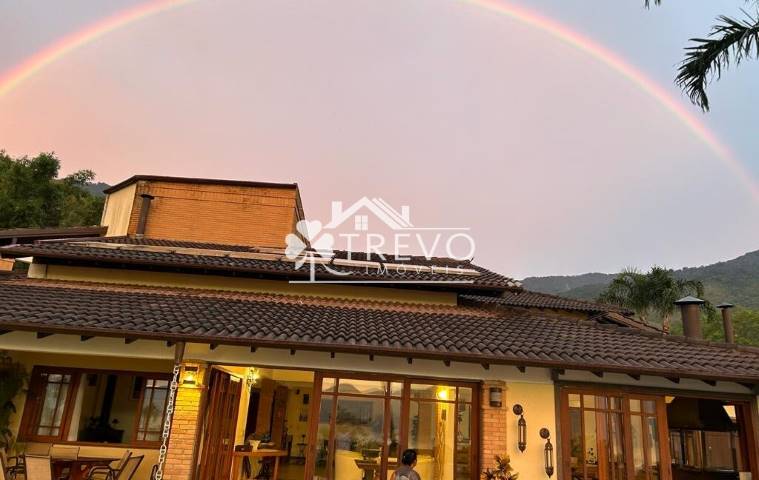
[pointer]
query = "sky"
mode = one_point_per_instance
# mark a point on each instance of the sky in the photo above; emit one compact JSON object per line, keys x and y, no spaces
{"x":556,"y":162}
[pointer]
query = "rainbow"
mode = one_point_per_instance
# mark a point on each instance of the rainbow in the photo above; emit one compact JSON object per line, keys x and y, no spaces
{"x":66,"y":45}
{"x":63,"y":46}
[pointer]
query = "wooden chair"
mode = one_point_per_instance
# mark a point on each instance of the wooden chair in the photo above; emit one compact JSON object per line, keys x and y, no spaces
{"x":109,"y":472}
{"x":38,"y":467}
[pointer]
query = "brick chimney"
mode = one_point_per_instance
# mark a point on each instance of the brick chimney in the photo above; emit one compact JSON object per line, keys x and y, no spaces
{"x":727,"y":321}
{"x":690,"y":309}
{"x":144,"y":209}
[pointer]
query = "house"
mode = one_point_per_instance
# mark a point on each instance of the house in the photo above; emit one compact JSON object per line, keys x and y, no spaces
{"x":190,"y":306}
{"x":379,"y":209}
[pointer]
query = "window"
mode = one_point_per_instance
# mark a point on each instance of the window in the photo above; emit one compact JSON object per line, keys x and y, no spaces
{"x":610,"y":436}
{"x":152,"y":413}
{"x":94,"y":406}
{"x":52,"y":395}
{"x":364,"y":425}
{"x":361,"y":222}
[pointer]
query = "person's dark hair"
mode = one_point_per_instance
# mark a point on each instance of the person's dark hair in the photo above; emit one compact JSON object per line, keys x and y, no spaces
{"x":408,"y":457}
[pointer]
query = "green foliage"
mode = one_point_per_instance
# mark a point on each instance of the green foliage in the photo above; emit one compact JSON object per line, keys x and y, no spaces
{"x":502,"y":471}
{"x":32,"y":196}
{"x":12,"y":379}
{"x":729,"y":41}
{"x":654,"y":292}
{"x":745,"y":325}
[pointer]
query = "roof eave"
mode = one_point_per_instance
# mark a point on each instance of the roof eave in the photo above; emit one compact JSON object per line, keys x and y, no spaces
{"x":383,"y":351}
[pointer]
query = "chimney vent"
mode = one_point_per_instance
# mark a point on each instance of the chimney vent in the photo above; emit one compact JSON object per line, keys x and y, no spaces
{"x":727,"y":321}
{"x":690,"y":308}
{"x":144,"y":209}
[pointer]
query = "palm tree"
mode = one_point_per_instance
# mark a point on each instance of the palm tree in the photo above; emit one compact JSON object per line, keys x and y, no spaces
{"x":730,"y":40}
{"x":652,"y":292}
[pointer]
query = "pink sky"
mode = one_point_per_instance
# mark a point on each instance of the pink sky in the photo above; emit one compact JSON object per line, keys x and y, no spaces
{"x":557,"y":163}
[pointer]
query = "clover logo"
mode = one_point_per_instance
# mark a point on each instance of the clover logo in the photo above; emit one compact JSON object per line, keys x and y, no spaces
{"x":308,"y":232}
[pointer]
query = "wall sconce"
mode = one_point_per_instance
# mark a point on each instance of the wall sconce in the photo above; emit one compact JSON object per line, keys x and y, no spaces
{"x":252,"y":377}
{"x":496,"y":397}
{"x":548,"y":451}
{"x":190,"y":374}
{"x":521,"y":427}
{"x":442,"y":393}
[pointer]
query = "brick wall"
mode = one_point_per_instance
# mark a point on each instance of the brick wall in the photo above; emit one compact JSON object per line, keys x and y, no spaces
{"x":494,"y":424}
{"x":259,"y":216}
{"x":184,"y":430}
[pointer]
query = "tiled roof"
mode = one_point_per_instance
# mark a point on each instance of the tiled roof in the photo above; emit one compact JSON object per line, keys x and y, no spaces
{"x":505,"y":335}
{"x":93,"y":231}
{"x":599,"y":311}
{"x":224,"y":258}
{"x":526,"y":298}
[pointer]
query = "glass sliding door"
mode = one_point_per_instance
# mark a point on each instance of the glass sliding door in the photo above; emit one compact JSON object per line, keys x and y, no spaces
{"x":612,"y":436}
{"x":364,"y":425}
{"x":440,"y":430}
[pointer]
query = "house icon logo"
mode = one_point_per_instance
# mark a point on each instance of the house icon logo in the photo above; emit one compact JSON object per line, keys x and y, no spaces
{"x":359,"y":227}
{"x":359,"y":212}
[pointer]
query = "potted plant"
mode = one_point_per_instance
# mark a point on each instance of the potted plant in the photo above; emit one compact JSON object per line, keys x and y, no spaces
{"x":12,"y":380}
{"x":502,"y":470}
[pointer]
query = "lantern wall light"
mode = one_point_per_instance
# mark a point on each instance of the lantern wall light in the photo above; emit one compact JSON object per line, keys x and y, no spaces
{"x":190,"y":374}
{"x":253,"y":376}
{"x":496,"y":397}
{"x":521,"y":427}
{"x":547,"y":451}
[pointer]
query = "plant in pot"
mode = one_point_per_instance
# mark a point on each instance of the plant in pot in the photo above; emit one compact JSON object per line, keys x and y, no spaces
{"x":12,"y":380}
{"x":502,"y":470}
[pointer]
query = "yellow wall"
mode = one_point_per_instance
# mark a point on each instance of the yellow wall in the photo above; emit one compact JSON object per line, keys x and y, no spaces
{"x":295,"y":406}
{"x":213,"y":282}
{"x":539,"y":411}
{"x":30,"y":359}
{"x":118,"y":210}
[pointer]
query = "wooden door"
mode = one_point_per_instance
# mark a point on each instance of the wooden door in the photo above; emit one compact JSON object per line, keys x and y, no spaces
{"x":219,"y":426}
{"x":278,"y":416}
{"x":613,"y":435}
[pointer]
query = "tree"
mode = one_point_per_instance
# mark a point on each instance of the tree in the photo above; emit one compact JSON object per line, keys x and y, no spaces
{"x":730,"y":40}
{"x":650,"y":293}
{"x":32,"y":196}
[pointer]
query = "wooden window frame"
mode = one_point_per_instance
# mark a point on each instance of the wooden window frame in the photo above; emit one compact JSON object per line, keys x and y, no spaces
{"x":32,"y":405}
{"x":600,"y":390}
{"x":745,"y":403}
{"x":404,"y":398}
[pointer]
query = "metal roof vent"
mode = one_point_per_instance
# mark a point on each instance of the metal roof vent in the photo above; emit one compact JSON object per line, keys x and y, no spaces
{"x":690,"y":309}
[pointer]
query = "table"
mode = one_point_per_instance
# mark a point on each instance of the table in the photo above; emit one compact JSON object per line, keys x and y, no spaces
{"x":260,"y":453}
{"x":369,"y":466}
{"x":78,"y":467}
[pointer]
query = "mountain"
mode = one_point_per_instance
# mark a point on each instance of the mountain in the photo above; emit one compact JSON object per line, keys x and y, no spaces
{"x":735,"y":281}
{"x":96,"y":188}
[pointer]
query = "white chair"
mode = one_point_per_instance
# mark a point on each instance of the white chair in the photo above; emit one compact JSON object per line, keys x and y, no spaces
{"x":109,"y":472}
{"x":38,"y":467}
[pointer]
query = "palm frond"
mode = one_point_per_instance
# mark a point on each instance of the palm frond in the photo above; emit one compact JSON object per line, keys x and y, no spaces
{"x":730,"y":41}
